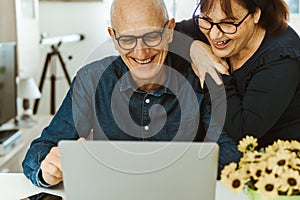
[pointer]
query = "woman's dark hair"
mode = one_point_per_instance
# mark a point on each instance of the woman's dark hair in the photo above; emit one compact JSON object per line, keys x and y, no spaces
{"x":273,"y":17}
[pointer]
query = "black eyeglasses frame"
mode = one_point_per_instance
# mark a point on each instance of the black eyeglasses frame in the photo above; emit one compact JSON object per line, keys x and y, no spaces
{"x":197,"y":17}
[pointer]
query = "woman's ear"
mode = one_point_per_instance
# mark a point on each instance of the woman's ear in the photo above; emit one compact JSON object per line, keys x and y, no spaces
{"x":257,"y":15}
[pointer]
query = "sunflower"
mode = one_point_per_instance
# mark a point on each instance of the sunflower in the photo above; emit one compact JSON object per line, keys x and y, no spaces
{"x":295,"y":145}
{"x":245,"y":170}
{"x":271,"y":150}
{"x":227,"y":170}
{"x":247,"y":144}
{"x":258,"y":170}
{"x":268,"y":186}
{"x":276,"y":146}
{"x":295,"y":163}
{"x":281,"y":159}
{"x":290,"y":181}
{"x":252,"y":157}
{"x":234,"y":181}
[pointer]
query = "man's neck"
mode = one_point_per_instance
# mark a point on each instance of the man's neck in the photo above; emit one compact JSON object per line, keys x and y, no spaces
{"x":147,"y":86}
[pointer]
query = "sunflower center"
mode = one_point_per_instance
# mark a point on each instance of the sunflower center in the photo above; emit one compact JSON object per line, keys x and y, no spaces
{"x":292,"y":181}
{"x":281,"y":162}
{"x":257,"y":156}
{"x":258,"y":173}
{"x":268,"y":171}
{"x":269,"y":187}
{"x":250,"y":147}
{"x":236,"y":183}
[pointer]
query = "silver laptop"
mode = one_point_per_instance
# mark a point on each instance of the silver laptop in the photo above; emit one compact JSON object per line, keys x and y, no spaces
{"x":127,"y":170}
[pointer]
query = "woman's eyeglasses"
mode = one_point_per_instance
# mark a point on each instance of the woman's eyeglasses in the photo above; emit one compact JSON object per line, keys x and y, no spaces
{"x":224,"y":27}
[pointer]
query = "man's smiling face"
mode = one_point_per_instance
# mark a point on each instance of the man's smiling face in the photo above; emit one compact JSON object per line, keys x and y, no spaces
{"x":145,"y":63}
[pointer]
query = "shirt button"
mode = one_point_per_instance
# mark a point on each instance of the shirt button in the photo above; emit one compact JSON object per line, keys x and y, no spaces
{"x":147,"y":100}
{"x":146,"y":128}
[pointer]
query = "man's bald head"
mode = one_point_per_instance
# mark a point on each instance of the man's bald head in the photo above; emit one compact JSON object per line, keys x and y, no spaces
{"x":122,"y":10}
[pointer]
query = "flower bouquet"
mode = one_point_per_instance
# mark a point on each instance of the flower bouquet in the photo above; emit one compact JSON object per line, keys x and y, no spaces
{"x":268,"y":173}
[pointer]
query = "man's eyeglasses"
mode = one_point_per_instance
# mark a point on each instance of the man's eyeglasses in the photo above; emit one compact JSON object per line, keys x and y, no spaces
{"x":224,"y":27}
{"x":151,"y":39}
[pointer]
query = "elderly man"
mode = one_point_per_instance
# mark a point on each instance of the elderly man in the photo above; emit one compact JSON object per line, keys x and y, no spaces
{"x":139,"y":95}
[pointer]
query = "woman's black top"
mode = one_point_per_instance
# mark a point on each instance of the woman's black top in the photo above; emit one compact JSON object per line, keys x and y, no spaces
{"x":263,"y":96}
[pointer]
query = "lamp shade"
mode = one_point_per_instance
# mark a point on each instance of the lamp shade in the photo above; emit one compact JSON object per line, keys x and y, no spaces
{"x":27,"y":89}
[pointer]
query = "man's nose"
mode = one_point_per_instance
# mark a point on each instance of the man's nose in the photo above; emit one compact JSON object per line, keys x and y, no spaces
{"x":140,"y":44}
{"x":141,"y":49}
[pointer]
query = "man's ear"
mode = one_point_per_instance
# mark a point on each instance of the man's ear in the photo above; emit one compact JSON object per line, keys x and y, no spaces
{"x":112,"y":36}
{"x":171,"y":26}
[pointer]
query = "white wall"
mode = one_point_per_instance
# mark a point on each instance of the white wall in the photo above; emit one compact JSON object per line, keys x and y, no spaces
{"x":295,"y":22}
{"x":64,"y":18}
{"x":295,"y":14}
{"x":90,"y":19}
{"x":185,"y":9}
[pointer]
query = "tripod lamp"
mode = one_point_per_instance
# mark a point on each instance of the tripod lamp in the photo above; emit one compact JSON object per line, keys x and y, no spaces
{"x":27,"y":89}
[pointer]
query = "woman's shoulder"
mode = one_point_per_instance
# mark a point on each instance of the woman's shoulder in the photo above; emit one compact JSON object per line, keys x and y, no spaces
{"x":284,"y":45}
{"x":289,"y":38}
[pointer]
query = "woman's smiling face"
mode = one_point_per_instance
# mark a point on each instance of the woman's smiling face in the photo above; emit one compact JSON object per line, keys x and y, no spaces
{"x":227,"y":45}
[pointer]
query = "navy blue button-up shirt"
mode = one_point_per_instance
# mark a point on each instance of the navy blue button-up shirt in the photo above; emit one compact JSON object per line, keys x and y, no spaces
{"x":104,"y":98}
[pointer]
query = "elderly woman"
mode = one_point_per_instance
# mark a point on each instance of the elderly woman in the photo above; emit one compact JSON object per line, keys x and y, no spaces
{"x":258,"y":57}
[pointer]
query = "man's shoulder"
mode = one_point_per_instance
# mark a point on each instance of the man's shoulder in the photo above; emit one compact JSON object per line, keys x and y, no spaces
{"x":99,"y":66}
{"x":109,"y":68}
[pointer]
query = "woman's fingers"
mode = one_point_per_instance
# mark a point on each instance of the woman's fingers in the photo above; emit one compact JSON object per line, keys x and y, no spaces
{"x":205,"y":61}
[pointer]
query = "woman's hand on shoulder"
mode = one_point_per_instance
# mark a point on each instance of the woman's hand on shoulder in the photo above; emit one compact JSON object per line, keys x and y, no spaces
{"x":205,"y":61}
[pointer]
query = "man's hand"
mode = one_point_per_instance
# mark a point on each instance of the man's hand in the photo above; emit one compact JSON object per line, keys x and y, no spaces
{"x":51,"y":166}
{"x":205,"y":61}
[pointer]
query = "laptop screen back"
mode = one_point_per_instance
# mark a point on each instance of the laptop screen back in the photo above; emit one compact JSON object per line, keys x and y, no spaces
{"x":131,"y":170}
